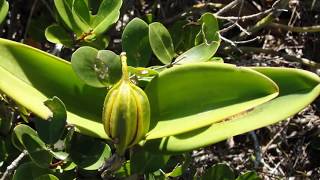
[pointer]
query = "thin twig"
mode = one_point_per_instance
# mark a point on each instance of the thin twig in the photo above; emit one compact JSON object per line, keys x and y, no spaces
{"x":13,"y":165}
{"x":296,"y":29}
{"x":46,"y":4}
{"x":227,"y":7}
{"x":29,"y":19}
{"x":257,"y":149}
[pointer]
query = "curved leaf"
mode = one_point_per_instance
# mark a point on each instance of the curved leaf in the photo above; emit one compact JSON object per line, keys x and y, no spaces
{"x":36,"y":148}
{"x":4,"y":8}
{"x":29,"y":170}
{"x":197,"y":95}
{"x":58,"y":35}
{"x":108,"y":14}
{"x":51,"y":130}
{"x":30,"y":77}
{"x":161,"y":42}
{"x":209,"y":29}
{"x":298,"y":88}
{"x":135,"y":42}
{"x":81,"y":14}
{"x":218,"y":172}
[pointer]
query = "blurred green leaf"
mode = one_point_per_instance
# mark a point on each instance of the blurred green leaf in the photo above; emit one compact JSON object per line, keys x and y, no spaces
{"x":143,"y":72}
{"x":29,"y":170}
{"x":4,"y":8}
{"x":47,"y":177}
{"x":96,"y":68}
{"x":124,"y":171}
{"x":36,"y":148}
{"x":142,"y":161}
{"x":161,"y":42}
{"x":192,"y":95}
{"x":107,"y":15}
{"x":135,"y":42}
{"x":209,"y":29}
{"x":51,"y":130}
{"x":88,"y":153}
{"x":250,"y":175}
{"x":57,"y":34}
{"x":81,"y":14}
{"x":218,"y":172}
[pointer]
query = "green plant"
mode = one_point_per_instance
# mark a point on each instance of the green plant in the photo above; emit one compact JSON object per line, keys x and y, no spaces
{"x":4,"y":7}
{"x":195,"y":100}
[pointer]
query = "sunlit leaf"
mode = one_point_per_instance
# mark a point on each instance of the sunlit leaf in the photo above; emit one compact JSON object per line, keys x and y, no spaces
{"x":4,"y":7}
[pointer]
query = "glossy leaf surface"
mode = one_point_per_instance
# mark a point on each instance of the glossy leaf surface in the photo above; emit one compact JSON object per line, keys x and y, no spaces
{"x":197,"y":95}
{"x":161,"y":42}
{"x":51,"y":130}
{"x":29,"y":170}
{"x":135,"y":42}
{"x":297,"y":88}
{"x":4,"y":8}
{"x":31,"y":76}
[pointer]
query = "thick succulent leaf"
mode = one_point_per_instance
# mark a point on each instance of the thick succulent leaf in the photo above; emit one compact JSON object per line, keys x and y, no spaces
{"x":298,"y":88}
{"x":88,"y":153}
{"x":64,"y":8}
{"x":81,"y":14}
{"x":108,"y":14}
{"x":30,"y":170}
{"x":218,"y":172}
{"x":197,"y":95}
{"x":30,"y":77}
{"x":51,"y":130}
{"x":135,"y":42}
{"x":200,"y":53}
{"x":96,"y":68}
{"x":161,"y":42}
{"x":36,"y":148}
{"x":4,"y":7}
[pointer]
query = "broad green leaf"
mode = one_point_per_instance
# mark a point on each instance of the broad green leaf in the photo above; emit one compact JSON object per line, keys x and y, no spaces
{"x":30,"y":77}
{"x":30,"y":170}
{"x":108,"y":14}
{"x":197,"y":95}
{"x":250,"y":175}
{"x":57,"y":34}
{"x":4,"y":8}
{"x":135,"y":42}
{"x":142,"y":161}
{"x":96,"y":68}
{"x":161,"y":42}
{"x":209,"y":29}
{"x":200,"y":53}
{"x":64,"y":8}
{"x":81,"y":14}
{"x":51,"y":130}
{"x":218,"y":172}
{"x":47,"y":177}
{"x":298,"y":88}
{"x":36,"y":148}
{"x":88,"y":153}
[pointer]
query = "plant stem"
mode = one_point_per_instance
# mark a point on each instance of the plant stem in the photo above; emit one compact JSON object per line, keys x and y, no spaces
{"x":296,"y":29}
{"x":13,"y":165}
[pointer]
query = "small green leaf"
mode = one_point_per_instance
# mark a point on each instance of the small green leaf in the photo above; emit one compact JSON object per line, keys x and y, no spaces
{"x":36,"y":148}
{"x":96,"y":68}
{"x":57,"y":34}
{"x":218,"y":172}
{"x":161,"y":42}
{"x":200,"y":53}
{"x":4,"y":8}
{"x":135,"y":42}
{"x":209,"y":29}
{"x":250,"y":175}
{"x":47,"y":177}
{"x":30,"y":170}
{"x":50,"y":130}
{"x":88,"y":153}
{"x":142,"y":161}
{"x":81,"y":14}
{"x":107,"y":15}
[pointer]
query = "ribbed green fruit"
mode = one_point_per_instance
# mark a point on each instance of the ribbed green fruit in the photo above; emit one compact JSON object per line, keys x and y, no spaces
{"x":126,"y":112}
